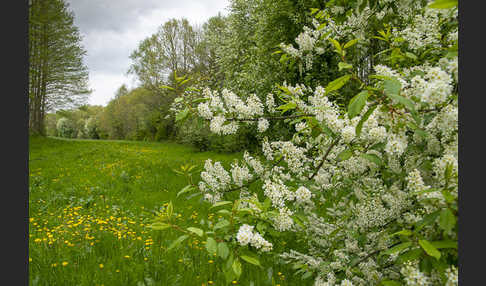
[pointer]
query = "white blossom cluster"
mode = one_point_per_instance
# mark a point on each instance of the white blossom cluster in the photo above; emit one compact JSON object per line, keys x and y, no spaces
{"x":246,"y":236}
{"x":240,"y":174}
{"x":452,"y":276}
{"x":307,"y":44}
{"x":363,"y":182}
{"x":424,"y":32}
{"x":413,"y":276}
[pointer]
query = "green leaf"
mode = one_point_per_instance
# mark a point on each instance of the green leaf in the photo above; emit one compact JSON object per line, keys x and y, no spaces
{"x":350,"y":43}
{"x":429,"y":248}
{"x":321,"y":26}
{"x":337,"y":83}
{"x":211,"y":246}
{"x":167,"y":87}
{"x":344,"y":155}
{"x":224,"y":211}
{"x":170,"y":209}
{"x":444,"y":244}
{"x":390,"y":283}
{"x":397,"y":248}
{"x":237,"y":267}
{"x":306,"y":275}
{"x":221,"y":224}
{"x":182,"y":115}
{"x":245,"y":211}
{"x":403,"y":100}
{"x":417,"y":130}
{"x":178,"y":241}
{"x":365,"y":117}
{"x":178,"y":99}
{"x":222,"y":203}
{"x":382,"y":77}
{"x":337,"y":45}
{"x":392,"y":90}
{"x":404,"y":232}
{"x":443,"y":4}
{"x":223,"y":250}
{"x":287,"y":106}
{"x":184,"y":190}
{"x":357,"y":103}
{"x":448,"y":196}
{"x":159,"y":226}
{"x":196,"y":230}
{"x":362,"y":6}
{"x":252,"y":260}
{"x":447,"y":220}
{"x":409,"y":255}
{"x":327,"y":130}
{"x":372,"y":158}
{"x":448,"y":172}
{"x":428,"y":219}
{"x":199,"y":100}
{"x":392,"y":86}
{"x":184,"y":81}
{"x":284,"y":89}
{"x":410,"y":55}
{"x":343,"y":65}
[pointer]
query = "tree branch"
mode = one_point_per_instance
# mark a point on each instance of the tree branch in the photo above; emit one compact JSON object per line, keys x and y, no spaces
{"x":324,"y":158}
{"x":270,"y":117}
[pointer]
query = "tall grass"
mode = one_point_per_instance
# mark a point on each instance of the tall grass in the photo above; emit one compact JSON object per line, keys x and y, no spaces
{"x":89,"y":206}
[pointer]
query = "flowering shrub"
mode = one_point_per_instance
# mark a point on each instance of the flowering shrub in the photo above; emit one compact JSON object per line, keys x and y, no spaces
{"x":65,"y":128}
{"x":370,"y":187}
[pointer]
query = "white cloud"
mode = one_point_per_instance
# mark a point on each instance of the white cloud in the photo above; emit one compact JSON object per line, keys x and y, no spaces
{"x":112,"y":30}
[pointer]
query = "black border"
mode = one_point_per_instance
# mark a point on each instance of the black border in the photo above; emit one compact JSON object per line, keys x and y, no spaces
{"x":15,"y":138}
{"x":471,"y":109}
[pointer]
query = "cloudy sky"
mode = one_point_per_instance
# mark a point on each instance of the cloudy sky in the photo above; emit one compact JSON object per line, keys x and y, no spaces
{"x":112,"y":29}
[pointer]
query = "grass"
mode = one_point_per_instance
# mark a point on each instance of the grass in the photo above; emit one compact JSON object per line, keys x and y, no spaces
{"x":90,"y":203}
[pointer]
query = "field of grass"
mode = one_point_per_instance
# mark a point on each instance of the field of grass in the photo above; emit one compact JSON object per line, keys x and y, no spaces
{"x":90,"y":203}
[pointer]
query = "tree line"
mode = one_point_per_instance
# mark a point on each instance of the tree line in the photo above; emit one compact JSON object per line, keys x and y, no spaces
{"x":58,"y":77}
{"x":237,"y":51}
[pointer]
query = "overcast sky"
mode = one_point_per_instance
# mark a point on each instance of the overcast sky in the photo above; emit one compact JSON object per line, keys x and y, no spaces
{"x":112,"y":29}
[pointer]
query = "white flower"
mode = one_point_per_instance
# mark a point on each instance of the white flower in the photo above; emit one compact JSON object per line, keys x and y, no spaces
{"x":258,"y":242}
{"x":415,"y":182}
{"x":283,"y":221}
{"x":270,"y":102}
{"x":452,"y":276}
{"x":300,"y":126}
{"x":240,"y":174}
{"x":302,"y":194}
{"x":346,"y":282}
{"x":377,"y":134}
{"x":244,"y":234}
{"x":204,"y":111}
{"x":262,"y":125}
{"x":413,"y":276}
{"x":216,"y":123}
{"x":348,"y":133}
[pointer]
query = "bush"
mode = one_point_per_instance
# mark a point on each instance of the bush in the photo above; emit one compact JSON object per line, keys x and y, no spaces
{"x":367,"y":189}
{"x":65,"y":128}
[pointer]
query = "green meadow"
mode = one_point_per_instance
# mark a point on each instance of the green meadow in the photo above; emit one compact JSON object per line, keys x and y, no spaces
{"x":90,"y":204}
